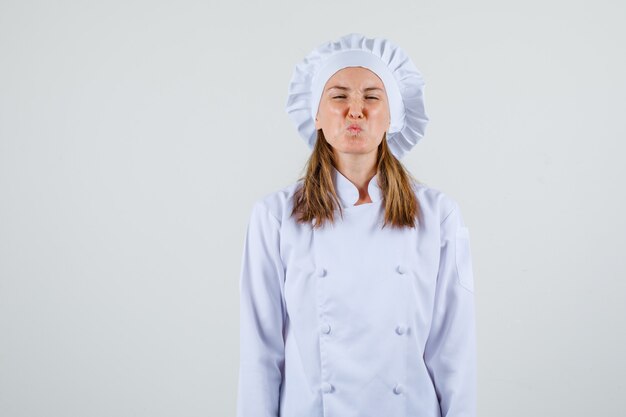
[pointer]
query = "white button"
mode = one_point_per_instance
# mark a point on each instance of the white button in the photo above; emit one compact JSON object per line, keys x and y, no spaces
{"x":326,"y":387}
{"x":398,"y":389}
{"x":321,"y":272}
{"x":325,"y":328}
{"x":400,"y":329}
{"x":401,"y":269}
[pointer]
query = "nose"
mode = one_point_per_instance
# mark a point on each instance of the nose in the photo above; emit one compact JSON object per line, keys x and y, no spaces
{"x":355,"y":110}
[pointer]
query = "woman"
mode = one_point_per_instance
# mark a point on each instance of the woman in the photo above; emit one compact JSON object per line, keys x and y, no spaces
{"x":356,"y":283}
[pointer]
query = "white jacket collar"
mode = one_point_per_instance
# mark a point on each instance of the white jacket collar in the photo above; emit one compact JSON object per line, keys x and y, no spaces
{"x":348,"y":193}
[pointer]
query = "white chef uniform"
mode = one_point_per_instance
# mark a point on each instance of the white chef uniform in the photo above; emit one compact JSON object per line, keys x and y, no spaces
{"x":354,"y":320}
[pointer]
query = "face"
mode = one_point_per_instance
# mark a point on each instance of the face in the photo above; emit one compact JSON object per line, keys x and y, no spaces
{"x":353,"y":111}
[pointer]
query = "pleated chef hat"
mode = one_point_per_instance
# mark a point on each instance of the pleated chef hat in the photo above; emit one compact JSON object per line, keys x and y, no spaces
{"x":403,"y":82}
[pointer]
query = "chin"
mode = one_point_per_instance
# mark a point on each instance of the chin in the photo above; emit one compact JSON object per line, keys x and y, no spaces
{"x":355,"y":149}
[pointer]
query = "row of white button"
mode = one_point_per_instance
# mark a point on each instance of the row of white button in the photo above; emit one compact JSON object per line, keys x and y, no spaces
{"x":321,"y":272}
{"x":328,"y":388}
{"x":400,"y":328}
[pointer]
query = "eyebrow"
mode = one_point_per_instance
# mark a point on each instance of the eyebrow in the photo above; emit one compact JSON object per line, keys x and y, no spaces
{"x":347,"y":89}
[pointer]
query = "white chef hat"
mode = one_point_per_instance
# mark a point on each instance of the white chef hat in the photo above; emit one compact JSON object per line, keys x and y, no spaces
{"x":403,"y":82}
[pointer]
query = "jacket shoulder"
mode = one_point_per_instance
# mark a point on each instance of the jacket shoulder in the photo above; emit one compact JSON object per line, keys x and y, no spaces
{"x":279,"y":202}
{"x":436,"y":201}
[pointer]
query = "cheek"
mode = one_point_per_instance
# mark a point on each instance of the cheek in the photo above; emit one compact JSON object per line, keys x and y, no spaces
{"x":380,"y":109}
{"x":330,"y":111}
{"x":335,"y":109}
{"x":381,"y":116}
{"x":334,"y":119}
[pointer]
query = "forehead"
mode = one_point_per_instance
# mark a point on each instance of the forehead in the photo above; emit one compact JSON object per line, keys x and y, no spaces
{"x":355,"y":76}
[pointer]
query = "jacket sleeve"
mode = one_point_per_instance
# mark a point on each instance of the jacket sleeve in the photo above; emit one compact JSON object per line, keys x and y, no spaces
{"x":261,"y":349}
{"x":450,"y":351}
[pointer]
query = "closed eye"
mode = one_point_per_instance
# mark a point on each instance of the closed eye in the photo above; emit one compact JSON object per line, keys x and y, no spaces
{"x":368,"y":97}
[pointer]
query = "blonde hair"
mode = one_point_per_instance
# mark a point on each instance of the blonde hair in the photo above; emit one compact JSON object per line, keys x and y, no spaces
{"x":316,"y":199}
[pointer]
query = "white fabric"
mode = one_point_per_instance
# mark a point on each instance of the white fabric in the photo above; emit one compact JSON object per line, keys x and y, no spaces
{"x":404,"y":85}
{"x":354,"y":320}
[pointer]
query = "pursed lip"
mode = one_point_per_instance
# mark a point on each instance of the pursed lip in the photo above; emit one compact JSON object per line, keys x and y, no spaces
{"x":355,"y":127}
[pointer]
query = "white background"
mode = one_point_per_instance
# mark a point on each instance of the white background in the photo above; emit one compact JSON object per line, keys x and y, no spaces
{"x":135,"y":136}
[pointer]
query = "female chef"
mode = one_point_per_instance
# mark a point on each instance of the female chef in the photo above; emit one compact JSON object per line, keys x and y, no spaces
{"x":356,"y":288}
